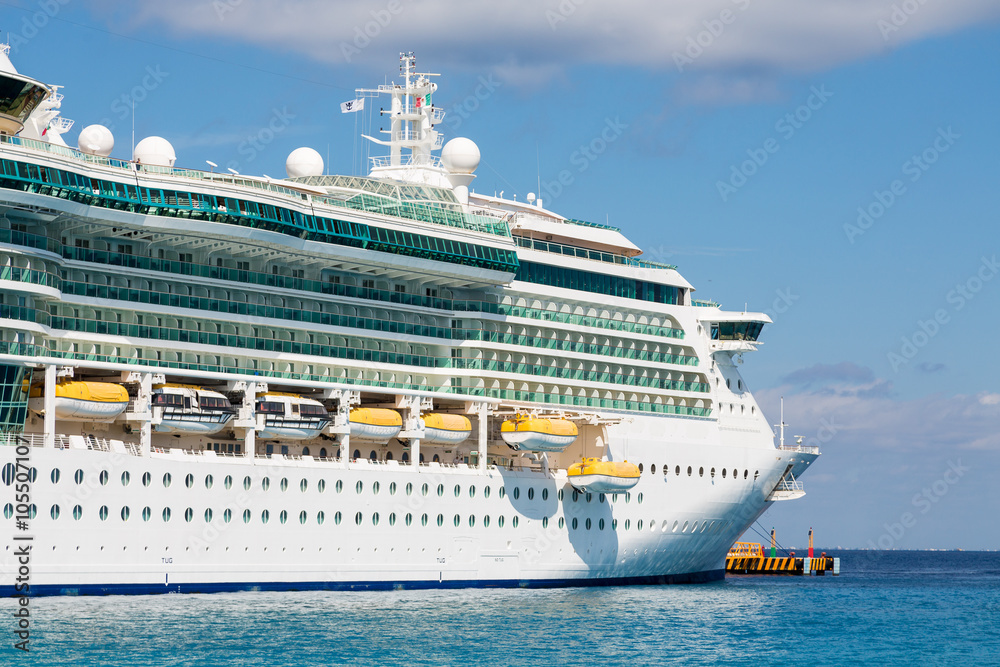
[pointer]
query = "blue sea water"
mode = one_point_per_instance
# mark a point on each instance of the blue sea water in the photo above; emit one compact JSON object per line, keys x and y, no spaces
{"x":886,"y":608}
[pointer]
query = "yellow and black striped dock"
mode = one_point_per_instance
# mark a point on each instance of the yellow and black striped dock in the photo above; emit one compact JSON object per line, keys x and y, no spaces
{"x":749,"y":558}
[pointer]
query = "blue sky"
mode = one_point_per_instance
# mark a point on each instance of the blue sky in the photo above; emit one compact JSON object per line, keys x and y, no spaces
{"x":743,"y":159}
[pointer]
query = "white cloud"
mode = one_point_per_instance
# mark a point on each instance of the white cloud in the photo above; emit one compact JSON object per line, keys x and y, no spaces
{"x":544,"y":37}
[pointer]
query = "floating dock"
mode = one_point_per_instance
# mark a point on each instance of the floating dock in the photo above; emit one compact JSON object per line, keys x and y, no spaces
{"x":749,"y":558}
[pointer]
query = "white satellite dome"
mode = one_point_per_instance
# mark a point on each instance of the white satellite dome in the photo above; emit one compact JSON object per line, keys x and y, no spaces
{"x":304,"y":161}
{"x":156,"y":151}
{"x":460,"y":156}
{"x":96,"y":140}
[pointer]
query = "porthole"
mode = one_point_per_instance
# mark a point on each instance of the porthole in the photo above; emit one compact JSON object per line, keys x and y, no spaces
{"x":265,"y":516}
{"x":147,"y":513}
{"x":284,"y":484}
{"x":32,"y":511}
{"x":746,"y":473}
{"x":729,"y":383}
{"x":739,"y":384}
{"x":147,"y":479}
{"x":103,"y":512}
{"x":600,"y":524}
{"x":472,"y":491}
{"x":189,"y":480}
{"x":677,"y":471}
{"x":694,"y":527}
{"x":359,"y":487}
{"x":712,"y":473}
{"x":666,"y":470}
{"x":639,"y":497}
{"x":500,"y":521}
{"x":587,"y":524}
{"x":628,"y":523}
{"x":247,"y":483}
{"x":531,"y":493}
{"x":358,"y":518}
{"x":440,"y":520}
{"x":209,"y":481}
{"x":188,"y":514}
{"x":486,"y":521}
{"x":265,"y":483}
{"x":614,"y":524}
{"x":303,"y":485}
{"x":103,"y":477}
{"x":208,"y":516}
{"x":54,"y":475}
{"x":723,"y":473}
{"x":320,"y":515}
{"x":562,"y":523}
{"x":339,"y":485}
{"x":690,"y":470}
{"x":54,"y":512}
{"x":409,"y":488}
{"x":375,"y":487}
{"x":228,"y":482}
{"x":321,"y":485}
{"x":392,"y":519}
{"x":375,"y":519}
{"x":756,"y":474}
{"x":8,"y":474}
{"x":423,"y":489}
{"x":78,"y":477}
{"x":246,"y":516}
{"x":652,"y":469}
{"x":227,"y":515}
{"x":545,"y":522}
{"x":684,"y":528}
{"x":392,"y":489}
{"x":628,"y":497}
{"x":704,"y":525}
{"x":674,"y":528}
{"x":517,"y":492}
{"x":576,"y":495}
{"x":640,"y":468}
{"x":166,"y":514}
{"x":125,"y":513}
{"x":337,"y":518}
{"x":167,"y":479}
{"x":408,"y":519}
{"x":486,"y":492}
{"x":78,"y":512}
{"x":458,"y":490}
{"x":423,"y":519}
{"x":545,"y":494}
{"x":513,"y":521}
{"x":502,"y":491}
{"x":457,"y":520}
{"x":440,"y":490}
{"x":126,"y":478}
{"x":590,"y":496}
{"x":601,"y":498}
{"x":283,"y":516}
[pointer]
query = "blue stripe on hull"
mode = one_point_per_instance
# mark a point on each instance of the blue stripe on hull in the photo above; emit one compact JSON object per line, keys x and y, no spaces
{"x":153,"y":589}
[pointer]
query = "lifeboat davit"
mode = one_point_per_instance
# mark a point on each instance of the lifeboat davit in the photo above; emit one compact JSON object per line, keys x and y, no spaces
{"x":446,"y":429}
{"x":538,"y":434}
{"x":190,"y":409}
{"x":290,"y":417}
{"x":597,"y":476}
{"x":83,"y":401}
{"x":375,"y":425}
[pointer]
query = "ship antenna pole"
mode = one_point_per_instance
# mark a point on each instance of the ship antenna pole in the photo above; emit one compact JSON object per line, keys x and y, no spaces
{"x":782,"y":428}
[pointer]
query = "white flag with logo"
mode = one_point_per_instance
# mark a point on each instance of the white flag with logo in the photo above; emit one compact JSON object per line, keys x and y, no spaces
{"x":352,"y":106}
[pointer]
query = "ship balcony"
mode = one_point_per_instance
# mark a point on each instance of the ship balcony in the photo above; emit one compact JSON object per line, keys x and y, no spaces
{"x":787,"y":489}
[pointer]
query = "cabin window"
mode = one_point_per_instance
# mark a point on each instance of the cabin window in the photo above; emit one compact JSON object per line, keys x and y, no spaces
{"x":271,"y":407}
{"x":357,"y":454}
{"x":373,"y":456}
{"x":147,"y":513}
{"x":77,"y":512}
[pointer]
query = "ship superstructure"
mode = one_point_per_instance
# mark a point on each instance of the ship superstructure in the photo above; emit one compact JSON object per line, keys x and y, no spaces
{"x":344,"y":382}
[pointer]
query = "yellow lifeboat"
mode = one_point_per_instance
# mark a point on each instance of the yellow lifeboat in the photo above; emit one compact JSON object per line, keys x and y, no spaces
{"x":446,"y":429}
{"x":538,"y":434}
{"x":597,"y":476}
{"x":376,"y":425}
{"x":83,"y":401}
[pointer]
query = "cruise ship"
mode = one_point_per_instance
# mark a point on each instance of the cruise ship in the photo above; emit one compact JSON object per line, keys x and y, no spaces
{"x":218,"y":382}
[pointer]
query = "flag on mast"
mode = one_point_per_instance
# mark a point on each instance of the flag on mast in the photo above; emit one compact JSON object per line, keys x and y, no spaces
{"x":352,"y":106}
